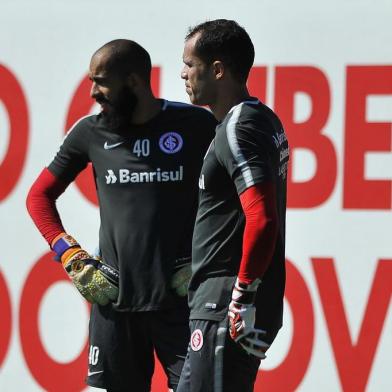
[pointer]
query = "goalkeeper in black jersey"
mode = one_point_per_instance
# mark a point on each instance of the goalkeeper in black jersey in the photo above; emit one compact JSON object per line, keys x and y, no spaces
{"x":238,"y":251}
{"x":146,"y":155}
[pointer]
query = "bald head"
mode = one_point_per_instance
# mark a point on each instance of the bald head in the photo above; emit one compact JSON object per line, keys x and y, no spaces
{"x":123,"y":57}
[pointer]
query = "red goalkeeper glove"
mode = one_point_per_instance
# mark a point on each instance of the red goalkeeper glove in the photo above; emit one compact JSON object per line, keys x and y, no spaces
{"x":242,"y":315}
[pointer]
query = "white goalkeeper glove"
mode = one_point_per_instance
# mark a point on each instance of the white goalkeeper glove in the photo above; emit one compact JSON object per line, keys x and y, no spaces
{"x":95,"y":280}
{"x":242,"y":316}
{"x":181,"y":277}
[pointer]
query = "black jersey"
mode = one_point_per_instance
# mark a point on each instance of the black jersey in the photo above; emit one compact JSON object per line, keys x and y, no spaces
{"x":250,"y":147}
{"x":146,"y":179}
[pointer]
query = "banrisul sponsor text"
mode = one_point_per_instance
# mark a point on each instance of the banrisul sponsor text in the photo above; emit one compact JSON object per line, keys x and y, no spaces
{"x":124,"y":176}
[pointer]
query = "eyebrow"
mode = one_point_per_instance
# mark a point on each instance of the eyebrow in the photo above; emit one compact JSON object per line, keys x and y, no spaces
{"x":98,"y":78}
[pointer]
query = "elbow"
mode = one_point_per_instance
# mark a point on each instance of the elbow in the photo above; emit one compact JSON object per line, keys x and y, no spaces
{"x":30,"y":200}
{"x":33,"y":201}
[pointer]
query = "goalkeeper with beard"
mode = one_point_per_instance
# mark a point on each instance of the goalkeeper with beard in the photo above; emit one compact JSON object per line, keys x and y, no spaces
{"x":146,"y":155}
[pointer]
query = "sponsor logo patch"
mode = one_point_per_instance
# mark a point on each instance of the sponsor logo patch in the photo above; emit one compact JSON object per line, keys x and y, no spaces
{"x":124,"y":176}
{"x":197,"y":340}
{"x":170,"y":142}
{"x":92,"y":373}
{"x":107,"y":146}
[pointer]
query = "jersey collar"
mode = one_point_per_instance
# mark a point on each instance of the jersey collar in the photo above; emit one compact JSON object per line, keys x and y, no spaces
{"x":250,"y":101}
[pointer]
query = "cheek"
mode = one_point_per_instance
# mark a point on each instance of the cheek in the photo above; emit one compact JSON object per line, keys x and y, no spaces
{"x":195,"y":80}
{"x":103,"y":92}
{"x":108,"y":93}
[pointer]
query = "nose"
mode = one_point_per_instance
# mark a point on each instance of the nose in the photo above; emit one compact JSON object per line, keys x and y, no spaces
{"x":184,"y":74}
{"x":94,"y":90}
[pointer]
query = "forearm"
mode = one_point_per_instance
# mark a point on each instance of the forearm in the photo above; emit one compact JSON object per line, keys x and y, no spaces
{"x":261,"y":231}
{"x":41,"y":204}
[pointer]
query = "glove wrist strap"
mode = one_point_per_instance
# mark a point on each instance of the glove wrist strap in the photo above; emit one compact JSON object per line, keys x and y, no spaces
{"x":245,"y":294}
{"x":247,"y":287}
{"x":62,"y":243}
{"x":70,"y":253}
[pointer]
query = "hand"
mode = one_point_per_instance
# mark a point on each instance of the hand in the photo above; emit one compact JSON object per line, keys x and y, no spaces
{"x":242,"y":316}
{"x":95,"y":280}
{"x":180,"y":279}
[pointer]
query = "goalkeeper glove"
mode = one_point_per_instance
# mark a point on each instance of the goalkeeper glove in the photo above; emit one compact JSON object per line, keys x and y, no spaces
{"x":181,"y":277}
{"x":95,"y":280}
{"x":242,"y":316}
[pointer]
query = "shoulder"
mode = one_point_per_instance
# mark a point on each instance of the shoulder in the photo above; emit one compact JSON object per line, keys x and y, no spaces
{"x":188,"y":110}
{"x":240,"y":123}
{"x":80,"y":132}
{"x":250,"y":117}
{"x":257,"y":113}
{"x":85,"y":123}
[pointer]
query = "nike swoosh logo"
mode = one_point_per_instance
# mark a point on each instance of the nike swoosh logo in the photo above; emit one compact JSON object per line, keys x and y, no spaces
{"x":92,"y":373}
{"x":107,"y":146}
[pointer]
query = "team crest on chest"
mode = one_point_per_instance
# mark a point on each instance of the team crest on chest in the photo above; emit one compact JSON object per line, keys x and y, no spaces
{"x":170,"y":142}
{"x":197,"y":340}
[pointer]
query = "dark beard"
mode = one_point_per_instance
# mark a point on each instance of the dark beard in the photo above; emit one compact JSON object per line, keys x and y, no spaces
{"x":122,"y":109}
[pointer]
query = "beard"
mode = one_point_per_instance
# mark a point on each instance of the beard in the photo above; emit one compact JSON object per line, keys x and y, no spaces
{"x":121,"y":109}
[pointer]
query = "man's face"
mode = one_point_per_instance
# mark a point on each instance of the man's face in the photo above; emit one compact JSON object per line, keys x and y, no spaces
{"x":111,"y":92}
{"x":198,"y":76}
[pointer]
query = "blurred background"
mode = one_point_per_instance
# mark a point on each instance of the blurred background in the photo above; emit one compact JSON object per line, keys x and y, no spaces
{"x":324,"y":66}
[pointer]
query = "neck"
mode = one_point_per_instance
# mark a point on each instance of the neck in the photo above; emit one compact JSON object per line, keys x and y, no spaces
{"x":146,"y":108}
{"x":227,"y":98}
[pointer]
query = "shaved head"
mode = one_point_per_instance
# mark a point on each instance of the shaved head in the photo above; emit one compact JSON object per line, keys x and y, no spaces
{"x":123,"y":57}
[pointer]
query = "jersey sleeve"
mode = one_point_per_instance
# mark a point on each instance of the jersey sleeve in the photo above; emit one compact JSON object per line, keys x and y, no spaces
{"x":73,"y":155}
{"x":242,"y":149}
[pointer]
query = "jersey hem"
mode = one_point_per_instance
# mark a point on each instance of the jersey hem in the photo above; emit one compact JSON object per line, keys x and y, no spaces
{"x":100,"y":385}
{"x":147,"y":308}
{"x":205,"y":316}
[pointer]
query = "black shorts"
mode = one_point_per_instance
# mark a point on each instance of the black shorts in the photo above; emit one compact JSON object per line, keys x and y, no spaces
{"x":215,"y":363}
{"x":122,"y":344}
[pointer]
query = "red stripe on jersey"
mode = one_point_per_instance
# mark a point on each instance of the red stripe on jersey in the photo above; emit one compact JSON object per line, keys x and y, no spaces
{"x":41,"y":204}
{"x":261,"y":230}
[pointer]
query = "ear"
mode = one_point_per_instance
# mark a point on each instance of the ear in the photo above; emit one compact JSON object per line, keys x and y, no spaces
{"x":133,"y":80}
{"x":219,"y":69}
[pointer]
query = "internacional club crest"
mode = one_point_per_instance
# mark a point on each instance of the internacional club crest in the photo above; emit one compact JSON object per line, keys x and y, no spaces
{"x":170,"y":142}
{"x":197,"y":340}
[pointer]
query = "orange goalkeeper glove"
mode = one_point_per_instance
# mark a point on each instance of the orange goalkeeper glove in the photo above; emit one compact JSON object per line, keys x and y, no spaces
{"x":95,"y":280}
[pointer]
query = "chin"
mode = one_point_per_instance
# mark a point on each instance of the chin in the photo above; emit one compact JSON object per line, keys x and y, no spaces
{"x":193,"y":101}
{"x":197,"y":101}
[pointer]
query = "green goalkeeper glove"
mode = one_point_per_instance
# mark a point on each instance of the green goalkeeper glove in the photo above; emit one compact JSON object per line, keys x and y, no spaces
{"x":95,"y":280}
{"x":181,"y":277}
